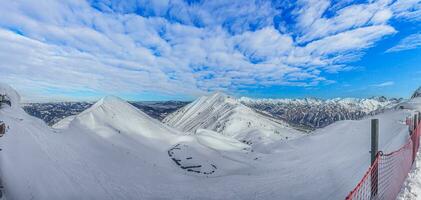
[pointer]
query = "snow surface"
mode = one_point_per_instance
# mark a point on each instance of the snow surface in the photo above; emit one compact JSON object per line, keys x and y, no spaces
{"x":114,"y":151}
{"x":412,"y":188}
{"x":64,"y":123}
{"x":227,"y":116}
{"x":11,"y":93}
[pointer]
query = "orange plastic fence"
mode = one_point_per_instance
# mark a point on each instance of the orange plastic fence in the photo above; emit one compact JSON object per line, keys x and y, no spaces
{"x":384,"y":179}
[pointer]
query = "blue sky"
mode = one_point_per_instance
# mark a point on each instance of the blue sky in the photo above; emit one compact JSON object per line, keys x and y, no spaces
{"x":181,"y":49}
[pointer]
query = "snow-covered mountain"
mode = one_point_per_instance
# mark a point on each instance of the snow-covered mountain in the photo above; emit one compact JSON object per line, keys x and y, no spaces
{"x":112,"y":117}
{"x":317,"y":113}
{"x":114,"y":151}
{"x":51,"y":113}
{"x":227,"y":116}
{"x":110,"y":151}
{"x":417,"y":93}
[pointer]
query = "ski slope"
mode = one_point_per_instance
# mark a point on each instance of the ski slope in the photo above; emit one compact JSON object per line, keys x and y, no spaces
{"x":114,"y":151}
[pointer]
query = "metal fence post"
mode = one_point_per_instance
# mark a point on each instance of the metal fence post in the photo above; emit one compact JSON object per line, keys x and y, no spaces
{"x":374,"y":151}
{"x":409,"y":121}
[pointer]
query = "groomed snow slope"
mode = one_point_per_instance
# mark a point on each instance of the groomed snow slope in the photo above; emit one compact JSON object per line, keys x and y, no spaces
{"x":113,"y":151}
{"x":226,"y":115}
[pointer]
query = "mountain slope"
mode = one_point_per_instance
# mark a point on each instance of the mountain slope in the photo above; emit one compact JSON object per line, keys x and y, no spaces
{"x":227,"y":116}
{"x":417,"y":93}
{"x":112,"y":117}
{"x":317,"y":113}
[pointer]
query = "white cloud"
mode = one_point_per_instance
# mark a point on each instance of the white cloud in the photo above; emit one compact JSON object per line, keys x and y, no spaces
{"x":264,"y":43}
{"x":316,"y":26}
{"x":212,"y":45}
{"x":382,"y":16}
{"x":384,"y":84}
{"x":359,"y":38}
{"x":410,"y":42}
{"x":407,"y":9}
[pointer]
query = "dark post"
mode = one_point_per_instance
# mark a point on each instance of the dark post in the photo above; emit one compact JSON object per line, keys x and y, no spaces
{"x":415,"y":121}
{"x":374,"y":139}
{"x":374,"y":151}
{"x":409,"y":125}
{"x":2,"y":129}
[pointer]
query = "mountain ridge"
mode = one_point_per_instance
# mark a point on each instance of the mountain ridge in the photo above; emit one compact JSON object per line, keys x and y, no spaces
{"x":317,"y":113}
{"x":226,"y":115}
{"x":417,"y":93}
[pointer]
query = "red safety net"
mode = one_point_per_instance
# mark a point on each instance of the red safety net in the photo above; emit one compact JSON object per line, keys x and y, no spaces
{"x":384,"y":179}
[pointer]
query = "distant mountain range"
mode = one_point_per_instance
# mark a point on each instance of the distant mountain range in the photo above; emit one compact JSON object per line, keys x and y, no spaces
{"x":311,"y":113}
{"x":51,"y":113}
{"x":302,"y":114}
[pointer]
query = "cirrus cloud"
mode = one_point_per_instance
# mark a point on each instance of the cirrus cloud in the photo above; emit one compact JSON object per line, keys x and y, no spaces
{"x":412,"y":41}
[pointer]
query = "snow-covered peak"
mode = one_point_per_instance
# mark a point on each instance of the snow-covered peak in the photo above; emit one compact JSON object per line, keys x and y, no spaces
{"x":113,"y":117}
{"x":218,"y":95}
{"x":113,"y":107}
{"x":218,"y":98}
{"x":118,"y":107}
{"x":228,"y":116}
{"x":417,"y":93}
{"x":10,"y":93}
{"x":111,"y":100}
